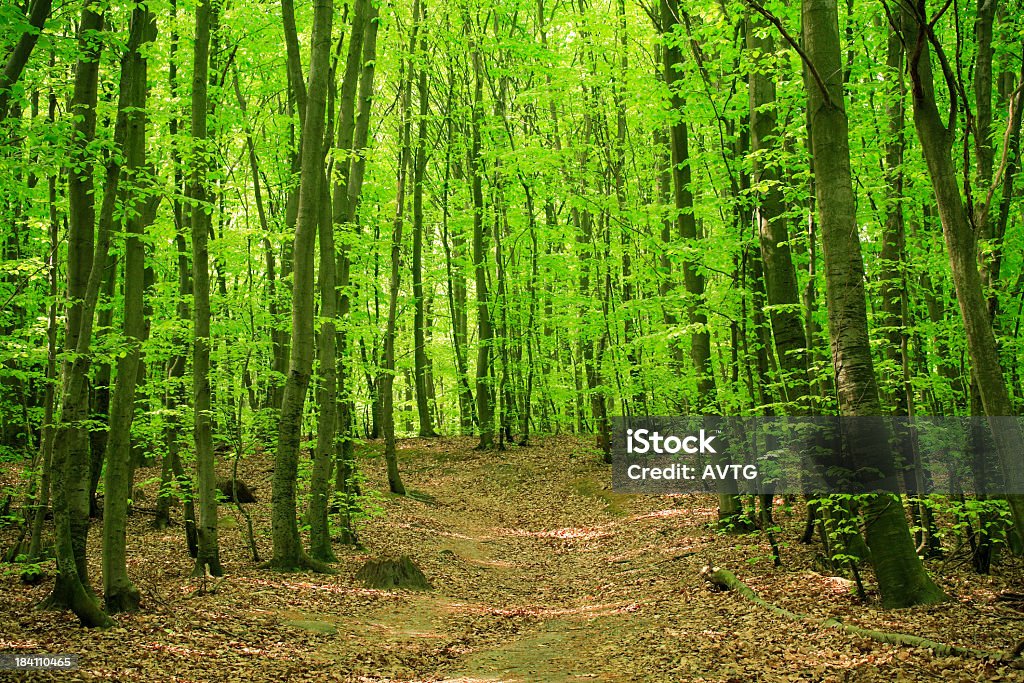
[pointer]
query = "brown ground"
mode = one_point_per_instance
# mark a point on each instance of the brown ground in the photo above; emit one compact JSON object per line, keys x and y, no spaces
{"x":540,"y":574}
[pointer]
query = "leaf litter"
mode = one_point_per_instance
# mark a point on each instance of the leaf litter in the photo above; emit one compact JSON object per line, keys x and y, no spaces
{"x":540,"y":573}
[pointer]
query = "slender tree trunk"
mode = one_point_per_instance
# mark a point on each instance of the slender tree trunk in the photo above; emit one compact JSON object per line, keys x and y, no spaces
{"x":729,"y":506}
{"x":346,"y":204}
{"x":208,"y":558}
{"x":175,"y":396}
{"x":426,"y":426}
{"x":46,"y":442}
{"x":937,"y":139}
{"x":99,"y":395}
{"x":485,"y":333}
{"x":769,"y":215}
{"x":327,"y":394}
{"x":120,"y":594}
{"x":331,"y":262}
{"x":288,"y":553}
{"x":386,"y":381}
{"x":456,"y":285}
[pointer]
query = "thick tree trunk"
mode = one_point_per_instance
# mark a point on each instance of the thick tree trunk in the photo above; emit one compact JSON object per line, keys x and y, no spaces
{"x":902,"y":579}
{"x":70,"y":464}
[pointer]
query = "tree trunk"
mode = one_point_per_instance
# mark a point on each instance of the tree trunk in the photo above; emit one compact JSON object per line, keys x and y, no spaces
{"x":46,"y":442}
{"x":288,"y":553}
{"x":120,"y":594}
{"x":385,"y":384}
{"x":18,"y":58}
{"x":937,"y":139}
{"x":327,"y":394}
{"x":485,"y":333}
{"x":175,"y":398}
{"x":346,"y":196}
{"x":208,"y":557}
{"x":902,"y":579}
{"x":70,"y":464}
{"x":769,"y":215}
{"x":419,"y":170}
{"x":729,"y":507}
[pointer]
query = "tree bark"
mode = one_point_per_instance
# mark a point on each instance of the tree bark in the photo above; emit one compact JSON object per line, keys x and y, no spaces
{"x":729,"y":507}
{"x":385,"y":384}
{"x":902,"y":579}
{"x":485,"y":333}
{"x":420,"y":360}
{"x":70,"y":464}
{"x":208,"y":558}
{"x":120,"y":594}
{"x":937,"y":139}
{"x":288,"y":552}
{"x":327,"y":393}
{"x":346,"y":203}
{"x":780,"y":280}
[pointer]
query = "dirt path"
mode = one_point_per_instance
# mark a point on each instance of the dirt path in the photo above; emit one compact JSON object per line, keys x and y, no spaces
{"x":543,"y":574}
{"x":540,"y":573}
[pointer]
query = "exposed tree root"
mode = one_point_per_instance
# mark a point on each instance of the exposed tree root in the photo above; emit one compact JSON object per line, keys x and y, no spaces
{"x":723,"y":579}
{"x":303,"y":563}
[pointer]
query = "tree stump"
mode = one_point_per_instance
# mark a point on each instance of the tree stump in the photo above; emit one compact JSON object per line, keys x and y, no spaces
{"x":390,"y":573}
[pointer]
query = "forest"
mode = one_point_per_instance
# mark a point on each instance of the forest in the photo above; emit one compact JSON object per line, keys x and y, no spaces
{"x":320,"y":323}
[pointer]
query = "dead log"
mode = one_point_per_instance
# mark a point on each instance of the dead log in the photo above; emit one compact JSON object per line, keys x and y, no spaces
{"x":241,"y":493}
{"x":723,"y":579}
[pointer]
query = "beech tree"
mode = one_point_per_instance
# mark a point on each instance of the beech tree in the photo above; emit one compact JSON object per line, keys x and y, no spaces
{"x":288,"y":552}
{"x":902,"y":579}
{"x":500,"y":221}
{"x":208,"y":555}
{"x":120,"y":595}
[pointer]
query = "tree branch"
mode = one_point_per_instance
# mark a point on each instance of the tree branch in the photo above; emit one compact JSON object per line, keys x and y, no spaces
{"x":777,"y":23}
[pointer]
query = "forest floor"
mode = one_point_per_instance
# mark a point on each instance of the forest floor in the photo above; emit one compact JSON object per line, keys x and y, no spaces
{"x":539,"y":573}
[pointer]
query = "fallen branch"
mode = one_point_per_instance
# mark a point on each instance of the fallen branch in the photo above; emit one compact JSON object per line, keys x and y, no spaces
{"x":723,"y":579}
